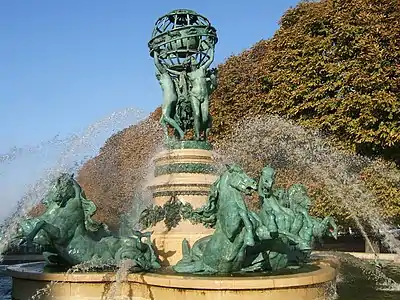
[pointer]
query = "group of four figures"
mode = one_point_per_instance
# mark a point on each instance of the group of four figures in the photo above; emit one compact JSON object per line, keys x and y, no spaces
{"x":186,"y":95}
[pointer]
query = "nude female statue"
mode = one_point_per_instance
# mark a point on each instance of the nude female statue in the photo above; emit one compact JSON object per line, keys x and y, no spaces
{"x":199,"y":93}
{"x":170,"y":97}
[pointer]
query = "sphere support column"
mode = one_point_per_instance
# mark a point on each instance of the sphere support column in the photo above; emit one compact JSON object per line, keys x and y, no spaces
{"x":186,"y":174}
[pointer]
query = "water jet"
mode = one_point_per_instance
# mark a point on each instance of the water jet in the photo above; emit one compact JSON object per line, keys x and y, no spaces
{"x":201,"y":239}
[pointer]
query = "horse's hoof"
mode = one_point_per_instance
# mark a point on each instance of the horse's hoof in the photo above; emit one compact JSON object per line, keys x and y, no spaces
{"x":250,"y":243}
{"x":275,"y":235}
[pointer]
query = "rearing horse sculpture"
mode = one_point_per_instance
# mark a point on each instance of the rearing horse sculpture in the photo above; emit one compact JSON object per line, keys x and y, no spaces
{"x":286,"y":213}
{"x":278,"y":236}
{"x":224,"y":251}
{"x":75,"y":238}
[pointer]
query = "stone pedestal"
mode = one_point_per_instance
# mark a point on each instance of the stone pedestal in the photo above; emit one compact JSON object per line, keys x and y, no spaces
{"x":186,"y":174}
{"x":29,"y":280}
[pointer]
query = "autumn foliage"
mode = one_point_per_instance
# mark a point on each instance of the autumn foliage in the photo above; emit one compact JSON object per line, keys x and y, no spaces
{"x":333,"y":66}
{"x":111,"y":178}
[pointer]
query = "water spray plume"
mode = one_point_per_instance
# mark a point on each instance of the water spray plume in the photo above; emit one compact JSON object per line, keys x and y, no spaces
{"x":75,"y":146}
{"x":280,"y":143}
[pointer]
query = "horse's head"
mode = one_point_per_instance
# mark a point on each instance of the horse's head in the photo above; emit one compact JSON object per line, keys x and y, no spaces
{"x":325,"y":227}
{"x":298,"y":196}
{"x":63,"y":188}
{"x":333,"y":229}
{"x":268,"y":177}
{"x":239,"y":180}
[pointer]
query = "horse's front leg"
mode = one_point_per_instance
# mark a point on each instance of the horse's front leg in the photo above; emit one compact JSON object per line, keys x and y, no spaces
{"x":236,"y":246}
{"x":28,"y":238}
{"x":52,"y":231}
{"x":249,"y":237}
{"x":262,"y":231}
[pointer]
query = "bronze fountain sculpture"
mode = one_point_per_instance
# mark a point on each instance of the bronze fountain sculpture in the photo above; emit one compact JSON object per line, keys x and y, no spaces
{"x":186,"y":188}
{"x":183,"y":46}
{"x":280,"y":234}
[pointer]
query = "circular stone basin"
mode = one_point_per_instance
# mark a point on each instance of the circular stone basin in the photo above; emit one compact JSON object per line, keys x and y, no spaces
{"x":314,"y":282}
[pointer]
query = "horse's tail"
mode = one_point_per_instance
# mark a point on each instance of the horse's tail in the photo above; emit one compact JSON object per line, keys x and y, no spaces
{"x":207,"y":214}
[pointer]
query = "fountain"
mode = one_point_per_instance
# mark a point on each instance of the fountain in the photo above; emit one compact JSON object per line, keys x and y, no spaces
{"x":201,"y":241}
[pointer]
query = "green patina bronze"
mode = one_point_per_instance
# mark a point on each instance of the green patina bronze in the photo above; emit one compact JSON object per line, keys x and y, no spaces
{"x":172,"y":212}
{"x":185,"y":168}
{"x":173,"y":143}
{"x":280,"y":235}
{"x":67,"y":229}
{"x":179,"y":193}
{"x":182,"y":46}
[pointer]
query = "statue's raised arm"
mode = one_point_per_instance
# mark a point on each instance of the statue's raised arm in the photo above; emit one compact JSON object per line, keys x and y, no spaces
{"x":184,"y":51}
{"x":208,"y":63}
{"x":160,"y":68}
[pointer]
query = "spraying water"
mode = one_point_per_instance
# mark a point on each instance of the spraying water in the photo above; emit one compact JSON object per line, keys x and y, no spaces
{"x":18,"y":152}
{"x":272,"y":140}
{"x":285,"y":146}
{"x":77,"y":148}
{"x":138,"y":176}
{"x":368,"y":269}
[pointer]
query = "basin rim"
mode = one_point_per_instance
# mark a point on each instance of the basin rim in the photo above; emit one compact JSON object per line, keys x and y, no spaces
{"x":326,"y":272}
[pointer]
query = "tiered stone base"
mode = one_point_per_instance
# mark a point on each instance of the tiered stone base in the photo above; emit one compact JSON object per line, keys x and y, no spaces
{"x":314,"y":285}
{"x":187,"y":174}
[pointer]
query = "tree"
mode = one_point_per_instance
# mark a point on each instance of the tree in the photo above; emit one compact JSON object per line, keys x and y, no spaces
{"x":332,"y":66}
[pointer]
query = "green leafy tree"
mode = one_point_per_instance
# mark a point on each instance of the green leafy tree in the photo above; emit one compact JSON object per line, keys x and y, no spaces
{"x":333,"y":66}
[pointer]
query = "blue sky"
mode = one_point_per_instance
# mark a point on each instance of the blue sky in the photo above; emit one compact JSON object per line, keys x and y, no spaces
{"x":66,"y":64}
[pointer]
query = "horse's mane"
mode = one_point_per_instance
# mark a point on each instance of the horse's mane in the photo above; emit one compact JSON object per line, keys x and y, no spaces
{"x":89,"y":209}
{"x":207,"y":214}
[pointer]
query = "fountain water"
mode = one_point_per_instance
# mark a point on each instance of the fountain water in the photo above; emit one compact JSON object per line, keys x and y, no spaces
{"x":289,"y":147}
{"x":74,"y":149}
{"x":191,"y":189}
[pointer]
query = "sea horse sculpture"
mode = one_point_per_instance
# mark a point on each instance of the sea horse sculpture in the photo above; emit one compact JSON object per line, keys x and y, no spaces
{"x":73,"y":237}
{"x":280,"y":235}
{"x":224,"y":251}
